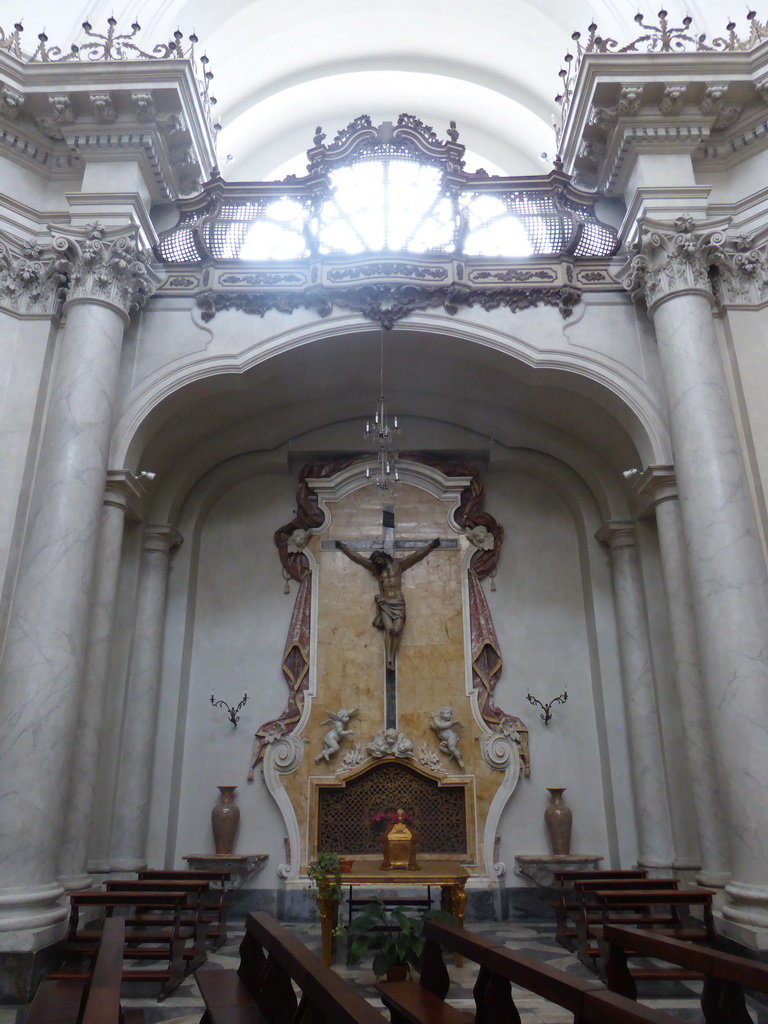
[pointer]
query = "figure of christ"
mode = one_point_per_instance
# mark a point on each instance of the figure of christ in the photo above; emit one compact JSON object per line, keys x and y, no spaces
{"x":390,"y":603}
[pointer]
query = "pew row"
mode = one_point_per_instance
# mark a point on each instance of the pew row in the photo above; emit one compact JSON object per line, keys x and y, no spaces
{"x":567,"y":906}
{"x":589,"y":916}
{"x":215,"y":906}
{"x":725,"y":975}
{"x":146,"y":940}
{"x":273,"y":964}
{"x":423,"y":1001}
{"x":94,"y":999}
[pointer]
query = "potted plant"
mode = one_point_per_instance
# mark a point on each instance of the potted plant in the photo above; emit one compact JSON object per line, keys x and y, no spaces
{"x":325,"y":875}
{"x":394,"y":937}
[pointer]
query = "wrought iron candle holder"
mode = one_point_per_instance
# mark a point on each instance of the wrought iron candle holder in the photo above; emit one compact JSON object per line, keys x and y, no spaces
{"x":546,"y":714}
{"x":233,"y":712}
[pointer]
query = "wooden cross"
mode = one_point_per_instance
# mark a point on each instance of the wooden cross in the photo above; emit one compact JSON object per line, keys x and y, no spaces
{"x":390,"y":544}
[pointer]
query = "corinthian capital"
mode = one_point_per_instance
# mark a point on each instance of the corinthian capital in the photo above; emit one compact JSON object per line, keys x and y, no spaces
{"x":742,"y":272}
{"x":672,"y":262}
{"x":106,"y":265}
{"x":30,"y":278}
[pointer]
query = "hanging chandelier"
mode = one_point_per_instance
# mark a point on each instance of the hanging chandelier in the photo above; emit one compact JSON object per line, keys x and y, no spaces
{"x":381,"y":434}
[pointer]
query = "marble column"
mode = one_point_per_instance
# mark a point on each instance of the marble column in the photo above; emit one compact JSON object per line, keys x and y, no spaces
{"x":726,"y":561}
{"x":131,"y":820}
{"x":121,"y":498}
{"x":654,"y":827}
{"x":659,"y":486}
{"x":44,"y":653}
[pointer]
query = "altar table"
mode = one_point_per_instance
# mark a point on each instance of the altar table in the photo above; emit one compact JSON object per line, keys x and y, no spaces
{"x":450,"y":875}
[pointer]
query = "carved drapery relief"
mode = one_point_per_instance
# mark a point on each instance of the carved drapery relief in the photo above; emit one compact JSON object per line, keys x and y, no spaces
{"x":669,"y":262}
{"x":106,"y":265}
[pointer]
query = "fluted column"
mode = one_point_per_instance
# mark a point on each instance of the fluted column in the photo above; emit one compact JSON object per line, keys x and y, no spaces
{"x":727,"y":566}
{"x":122,"y":493}
{"x":659,"y":486}
{"x":44,"y":652}
{"x":129,"y":829}
{"x":646,"y":762}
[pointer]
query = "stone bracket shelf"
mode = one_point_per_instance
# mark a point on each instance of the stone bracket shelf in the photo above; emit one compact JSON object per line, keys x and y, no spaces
{"x":540,"y":869}
{"x":240,"y":865}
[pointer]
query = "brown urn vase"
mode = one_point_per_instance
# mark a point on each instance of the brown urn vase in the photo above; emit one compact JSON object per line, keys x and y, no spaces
{"x":225,"y":818}
{"x":558,"y":820}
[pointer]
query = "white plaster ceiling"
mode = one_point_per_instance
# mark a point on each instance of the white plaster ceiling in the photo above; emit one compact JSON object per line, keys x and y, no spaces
{"x":281,"y":68}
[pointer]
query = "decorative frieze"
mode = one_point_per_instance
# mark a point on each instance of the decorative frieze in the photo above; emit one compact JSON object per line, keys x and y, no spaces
{"x":682,"y":260}
{"x":386,"y":304}
{"x":107,"y":266}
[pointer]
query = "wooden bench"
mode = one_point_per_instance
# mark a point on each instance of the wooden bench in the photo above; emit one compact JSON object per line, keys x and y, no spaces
{"x":215,"y":906}
{"x":147,"y":941}
{"x":664,"y":913}
{"x":273,"y":963}
{"x":193,"y":922}
{"x":725,"y":975}
{"x":91,"y":1000}
{"x":422,"y":1002}
{"x":589,"y":915}
{"x":568,"y":903}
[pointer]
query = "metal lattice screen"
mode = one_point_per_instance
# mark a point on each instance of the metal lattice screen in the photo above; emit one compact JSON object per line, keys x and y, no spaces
{"x":438,"y":812}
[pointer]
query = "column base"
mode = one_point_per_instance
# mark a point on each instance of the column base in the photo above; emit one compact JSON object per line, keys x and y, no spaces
{"x":745,"y":935}
{"x":746,"y":913}
{"x":129,"y":864}
{"x":75,"y":883}
{"x":22,"y":970}
{"x":29,"y":909}
{"x":713,"y":879}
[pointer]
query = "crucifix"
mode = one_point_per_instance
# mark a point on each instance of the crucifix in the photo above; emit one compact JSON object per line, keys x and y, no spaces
{"x":390,"y":603}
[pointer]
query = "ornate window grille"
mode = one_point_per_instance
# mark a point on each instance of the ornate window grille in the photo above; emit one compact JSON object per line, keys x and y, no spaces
{"x":391,"y":189}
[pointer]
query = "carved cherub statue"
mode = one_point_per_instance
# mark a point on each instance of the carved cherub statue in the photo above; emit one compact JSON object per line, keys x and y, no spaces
{"x":481,"y":537}
{"x":332,"y":739}
{"x":445,"y":727}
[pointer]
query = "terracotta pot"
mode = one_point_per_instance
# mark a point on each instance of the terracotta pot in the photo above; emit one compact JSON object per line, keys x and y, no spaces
{"x":345,"y":865}
{"x":225,"y":817}
{"x":397,"y":972}
{"x":558,"y":819}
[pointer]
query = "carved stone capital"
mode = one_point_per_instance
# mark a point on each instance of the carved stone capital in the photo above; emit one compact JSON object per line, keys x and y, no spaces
{"x":617,"y":533}
{"x":162,"y":537}
{"x":107,"y":266}
{"x":671,"y":262}
{"x":123,"y":491}
{"x":30,"y":279}
{"x":655,"y":485}
{"x":742,"y":271}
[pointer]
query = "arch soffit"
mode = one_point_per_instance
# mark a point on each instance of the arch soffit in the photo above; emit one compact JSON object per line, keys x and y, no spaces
{"x":617,"y":392}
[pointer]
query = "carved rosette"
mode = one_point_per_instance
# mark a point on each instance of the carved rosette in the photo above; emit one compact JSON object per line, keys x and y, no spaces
{"x":30,"y":279}
{"x":106,"y":265}
{"x":667,"y":263}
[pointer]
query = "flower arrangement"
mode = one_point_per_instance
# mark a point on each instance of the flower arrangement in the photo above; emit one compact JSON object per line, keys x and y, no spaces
{"x":386,"y":819}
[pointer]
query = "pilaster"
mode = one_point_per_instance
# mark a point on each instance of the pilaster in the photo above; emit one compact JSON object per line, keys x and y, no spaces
{"x":646,"y":757}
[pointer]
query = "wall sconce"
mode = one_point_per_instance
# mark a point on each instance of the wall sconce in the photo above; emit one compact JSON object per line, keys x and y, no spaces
{"x":234,"y":717}
{"x":146,"y":475}
{"x":546,"y":714}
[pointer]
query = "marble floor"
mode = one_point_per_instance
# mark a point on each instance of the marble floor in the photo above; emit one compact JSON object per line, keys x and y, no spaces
{"x":533,"y":938}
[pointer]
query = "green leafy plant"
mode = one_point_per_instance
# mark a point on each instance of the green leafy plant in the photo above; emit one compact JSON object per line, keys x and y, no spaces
{"x":392,"y":936}
{"x":325,"y":874}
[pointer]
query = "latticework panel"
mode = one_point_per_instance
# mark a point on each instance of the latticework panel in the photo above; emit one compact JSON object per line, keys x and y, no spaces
{"x":438,"y":812}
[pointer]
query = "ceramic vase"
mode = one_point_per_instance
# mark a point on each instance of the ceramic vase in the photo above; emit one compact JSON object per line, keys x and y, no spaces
{"x":225,"y":817}
{"x":558,"y":819}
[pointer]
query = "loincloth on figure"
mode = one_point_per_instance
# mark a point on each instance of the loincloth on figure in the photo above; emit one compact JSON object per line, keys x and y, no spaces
{"x":393,"y":608}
